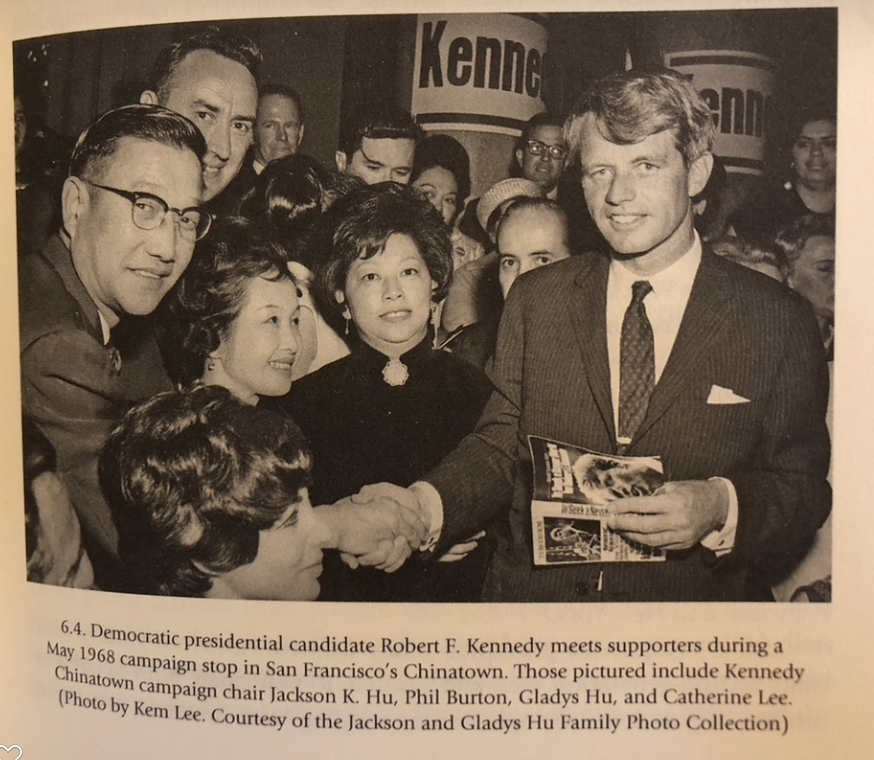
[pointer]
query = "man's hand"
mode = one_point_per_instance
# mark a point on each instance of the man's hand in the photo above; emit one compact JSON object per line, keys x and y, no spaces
{"x":460,"y":551}
{"x":380,"y":526}
{"x":677,"y":516}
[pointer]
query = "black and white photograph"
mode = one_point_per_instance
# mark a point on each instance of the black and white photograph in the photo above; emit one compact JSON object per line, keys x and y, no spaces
{"x":513,"y":327}
{"x":332,"y":232}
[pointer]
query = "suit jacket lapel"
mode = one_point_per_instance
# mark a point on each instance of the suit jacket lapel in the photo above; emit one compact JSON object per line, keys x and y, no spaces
{"x":588,"y":312}
{"x":703,"y":321}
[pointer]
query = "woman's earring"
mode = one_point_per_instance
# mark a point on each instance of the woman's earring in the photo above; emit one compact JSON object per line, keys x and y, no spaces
{"x":210,"y":365}
{"x":346,"y":331}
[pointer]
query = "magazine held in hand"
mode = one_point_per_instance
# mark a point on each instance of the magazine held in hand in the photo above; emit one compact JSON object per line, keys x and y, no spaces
{"x":572,"y":488}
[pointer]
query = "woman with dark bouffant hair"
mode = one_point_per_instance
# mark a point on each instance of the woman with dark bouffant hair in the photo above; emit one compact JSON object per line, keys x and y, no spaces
{"x":232,"y":319}
{"x":212,"y":499}
{"x":395,"y":407}
{"x":286,"y":203}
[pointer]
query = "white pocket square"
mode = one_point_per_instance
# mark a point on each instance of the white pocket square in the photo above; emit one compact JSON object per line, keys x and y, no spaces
{"x":720,"y":395}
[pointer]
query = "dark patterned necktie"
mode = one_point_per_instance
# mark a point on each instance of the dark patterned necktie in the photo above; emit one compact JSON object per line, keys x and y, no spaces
{"x":636,"y":364}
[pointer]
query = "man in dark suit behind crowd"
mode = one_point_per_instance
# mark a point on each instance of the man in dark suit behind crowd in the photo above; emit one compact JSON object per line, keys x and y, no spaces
{"x":663,"y":350}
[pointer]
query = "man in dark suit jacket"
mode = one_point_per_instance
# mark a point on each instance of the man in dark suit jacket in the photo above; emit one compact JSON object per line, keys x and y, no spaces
{"x":131,"y":216}
{"x":736,"y":391}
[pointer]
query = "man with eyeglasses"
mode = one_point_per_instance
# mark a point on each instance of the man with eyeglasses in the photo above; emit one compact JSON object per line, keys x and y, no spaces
{"x":131,"y":215}
{"x":542,"y":157}
{"x":541,"y":152}
{"x":378,"y":144}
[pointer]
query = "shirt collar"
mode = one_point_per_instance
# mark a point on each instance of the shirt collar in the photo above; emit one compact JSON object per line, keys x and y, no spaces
{"x":677,"y":277}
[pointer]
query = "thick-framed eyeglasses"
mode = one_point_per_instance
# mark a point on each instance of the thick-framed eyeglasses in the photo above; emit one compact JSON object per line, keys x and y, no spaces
{"x":148,"y":212}
{"x":537,"y":148}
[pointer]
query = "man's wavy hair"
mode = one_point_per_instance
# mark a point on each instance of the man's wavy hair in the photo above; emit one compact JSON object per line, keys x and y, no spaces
{"x":197,"y":314}
{"x":238,"y":48}
{"x":630,"y":106}
{"x":194,"y":476}
{"x":377,"y":121}
{"x":358,"y":226}
{"x":99,"y":141}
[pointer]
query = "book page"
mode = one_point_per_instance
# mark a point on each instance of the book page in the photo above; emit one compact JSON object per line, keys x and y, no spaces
{"x":105,"y":675}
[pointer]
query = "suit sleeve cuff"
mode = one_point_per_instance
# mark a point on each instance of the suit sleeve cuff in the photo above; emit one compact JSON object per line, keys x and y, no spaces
{"x":431,"y":509}
{"x":721,"y":541}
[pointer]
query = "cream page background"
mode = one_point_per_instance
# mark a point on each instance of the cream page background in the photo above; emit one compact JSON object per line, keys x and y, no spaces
{"x":833,"y":703}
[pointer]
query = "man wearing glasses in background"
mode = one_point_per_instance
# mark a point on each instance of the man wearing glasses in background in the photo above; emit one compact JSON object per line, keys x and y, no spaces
{"x":131,"y":215}
{"x":542,"y":156}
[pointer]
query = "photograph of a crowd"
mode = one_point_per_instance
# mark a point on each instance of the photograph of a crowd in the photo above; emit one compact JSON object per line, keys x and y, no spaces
{"x":295,"y":292}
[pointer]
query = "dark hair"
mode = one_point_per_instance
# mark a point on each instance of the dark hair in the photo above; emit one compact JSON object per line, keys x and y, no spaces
{"x":197,"y":313}
{"x":195,"y":476}
{"x":286,"y":92}
{"x":809,"y":112}
{"x":234,"y":47}
{"x":630,"y":106}
{"x":447,"y":153}
{"x":535,"y":204}
{"x":288,"y":199}
{"x":99,"y":140}
{"x":358,"y":227}
{"x":544,"y":119}
{"x":792,"y":238}
{"x":378,"y":121}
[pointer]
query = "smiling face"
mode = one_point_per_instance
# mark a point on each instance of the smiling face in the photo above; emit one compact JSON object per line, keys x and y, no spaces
{"x":388,"y":297}
{"x":544,"y":170}
{"x":278,"y":129}
{"x":256,"y":356}
{"x":813,"y":275}
{"x":221,"y":98}
{"x":527,"y":239}
{"x":289,"y":560}
{"x":127,"y":270}
{"x":438,"y":185}
{"x":639,"y":195}
{"x":380,"y":160}
{"x":814,"y":154}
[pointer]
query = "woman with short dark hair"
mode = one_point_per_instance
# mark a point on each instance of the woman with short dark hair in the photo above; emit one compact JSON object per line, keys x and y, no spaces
{"x":232,"y":320}
{"x":212,"y":499}
{"x":395,"y":407}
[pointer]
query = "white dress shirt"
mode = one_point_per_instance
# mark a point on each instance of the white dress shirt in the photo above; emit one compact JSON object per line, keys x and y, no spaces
{"x":665,"y":306}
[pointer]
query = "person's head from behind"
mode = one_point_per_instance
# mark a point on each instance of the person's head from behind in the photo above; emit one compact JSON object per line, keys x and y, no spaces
{"x":809,"y":247}
{"x":541,"y":151}
{"x":387,"y":261}
{"x":751,"y":255}
{"x":532,"y":233}
{"x":233,"y":318}
{"x":378,"y":144}
{"x":814,"y":148}
{"x":289,"y":196}
{"x":212,"y":499}
{"x":279,"y":126}
{"x":442,"y":174}
{"x":644,"y":140}
{"x":53,"y":538}
{"x":210,"y":78}
{"x":131,"y":207}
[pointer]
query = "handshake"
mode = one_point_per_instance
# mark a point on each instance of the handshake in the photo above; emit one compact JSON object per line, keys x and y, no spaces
{"x":383,"y":524}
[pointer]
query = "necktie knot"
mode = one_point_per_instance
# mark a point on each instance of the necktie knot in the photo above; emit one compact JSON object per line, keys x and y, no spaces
{"x":640,"y":290}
